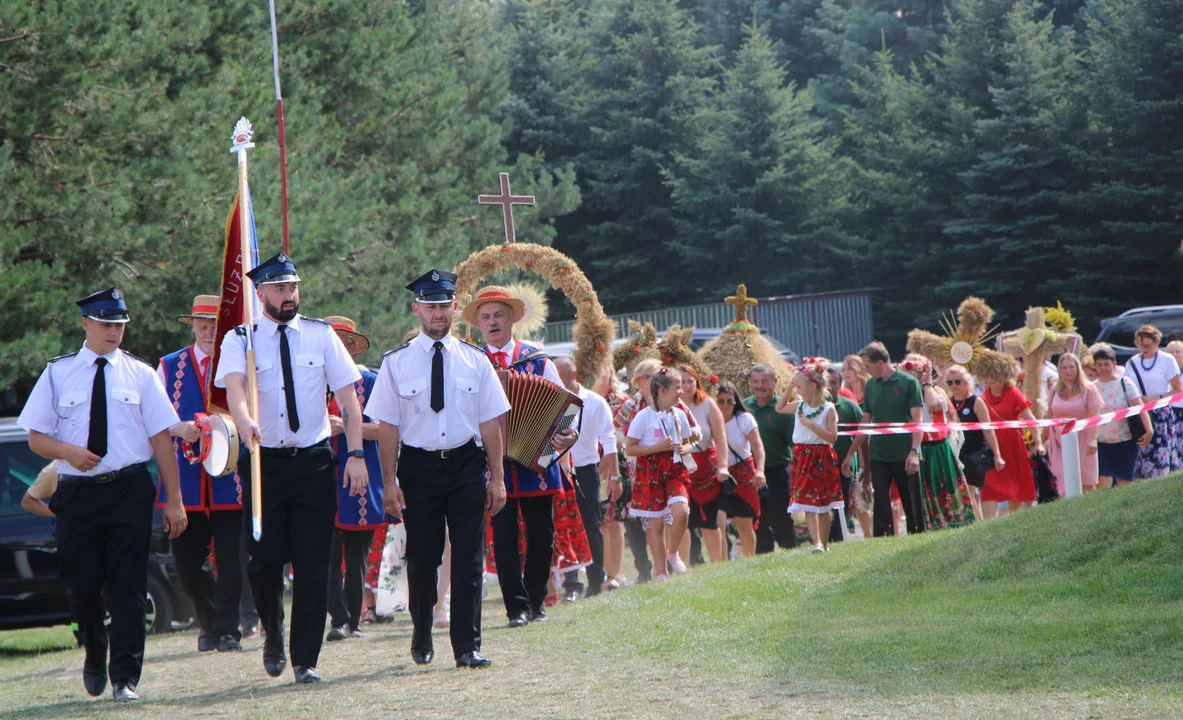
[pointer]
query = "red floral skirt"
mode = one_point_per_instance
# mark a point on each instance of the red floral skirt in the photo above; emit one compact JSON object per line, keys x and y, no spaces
{"x":374,"y":556}
{"x":745,"y":501}
{"x":815,"y":485}
{"x":703,"y":486}
{"x":659,"y":482}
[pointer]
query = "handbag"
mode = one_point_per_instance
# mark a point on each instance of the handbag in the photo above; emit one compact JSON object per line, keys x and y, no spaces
{"x":977,"y":464}
{"x":1045,"y":480}
{"x":1137,"y":427}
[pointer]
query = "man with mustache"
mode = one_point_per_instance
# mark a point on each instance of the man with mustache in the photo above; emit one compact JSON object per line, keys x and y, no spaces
{"x":527,"y":492}
{"x":213,"y":504}
{"x":102,"y":414}
{"x":436,"y":395}
{"x":296,"y":357}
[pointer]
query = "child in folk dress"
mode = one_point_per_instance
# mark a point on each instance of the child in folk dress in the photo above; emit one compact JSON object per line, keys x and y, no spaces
{"x":659,"y":437}
{"x":816,"y":485}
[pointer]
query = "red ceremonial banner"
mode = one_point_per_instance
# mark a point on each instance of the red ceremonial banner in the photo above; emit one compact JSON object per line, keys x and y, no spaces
{"x":230,"y":309}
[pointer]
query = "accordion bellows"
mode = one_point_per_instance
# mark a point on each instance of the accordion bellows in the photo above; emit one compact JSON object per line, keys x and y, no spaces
{"x":538,"y":410}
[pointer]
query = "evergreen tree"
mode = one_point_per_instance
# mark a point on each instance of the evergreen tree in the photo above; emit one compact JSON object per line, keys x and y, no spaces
{"x":649,"y":79}
{"x":753,"y":193}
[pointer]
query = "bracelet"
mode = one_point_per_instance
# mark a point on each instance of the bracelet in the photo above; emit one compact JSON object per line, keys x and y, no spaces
{"x":613,"y":478}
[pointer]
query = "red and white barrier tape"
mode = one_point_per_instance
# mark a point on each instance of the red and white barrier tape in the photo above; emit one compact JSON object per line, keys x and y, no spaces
{"x":1069,"y":425}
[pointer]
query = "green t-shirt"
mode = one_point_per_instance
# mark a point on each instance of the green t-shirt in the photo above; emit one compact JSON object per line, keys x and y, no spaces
{"x":848,"y":412}
{"x":776,"y":432}
{"x":892,"y":400}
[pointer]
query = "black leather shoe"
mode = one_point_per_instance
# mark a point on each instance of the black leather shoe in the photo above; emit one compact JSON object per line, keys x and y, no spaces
{"x":422,"y":656}
{"x":274,"y":658}
{"x":95,"y":681}
{"x":473,"y":660}
{"x":227,"y":643}
{"x":522,"y":620}
{"x":126,"y":692}
{"x":306,"y":675}
{"x":337,"y":634}
{"x":571,"y":596}
{"x":537,"y":615}
{"x":205,"y":643}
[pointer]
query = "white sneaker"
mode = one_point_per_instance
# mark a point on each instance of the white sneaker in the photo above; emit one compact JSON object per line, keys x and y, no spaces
{"x":677,"y":567}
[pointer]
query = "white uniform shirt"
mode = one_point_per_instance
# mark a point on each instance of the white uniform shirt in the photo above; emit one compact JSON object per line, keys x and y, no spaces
{"x":137,"y":408}
{"x":402,"y":394}
{"x":596,"y":430}
{"x":319,"y":360}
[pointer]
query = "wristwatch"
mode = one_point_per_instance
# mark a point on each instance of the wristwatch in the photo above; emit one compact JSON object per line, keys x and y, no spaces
{"x":357,"y":454}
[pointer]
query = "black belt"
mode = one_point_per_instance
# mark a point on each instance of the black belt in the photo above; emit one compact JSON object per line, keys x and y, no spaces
{"x":465,"y":449}
{"x":292,"y":451}
{"x":104,"y":478}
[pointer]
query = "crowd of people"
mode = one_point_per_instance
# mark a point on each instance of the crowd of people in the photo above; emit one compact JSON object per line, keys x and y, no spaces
{"x":679,"y":474}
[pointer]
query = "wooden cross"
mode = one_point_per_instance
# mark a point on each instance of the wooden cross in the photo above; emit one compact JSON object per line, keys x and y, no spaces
{"x":742,"y":302}
{"x":506,"y":200}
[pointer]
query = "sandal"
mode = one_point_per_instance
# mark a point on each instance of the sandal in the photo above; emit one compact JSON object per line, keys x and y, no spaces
{"x":612,"y":584}
{"x":368,"y":617}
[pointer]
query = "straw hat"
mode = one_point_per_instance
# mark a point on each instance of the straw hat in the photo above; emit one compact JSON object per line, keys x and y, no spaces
{"x":205,"y":307}
{"x":354,"y":342}
{"x":494,"y":293}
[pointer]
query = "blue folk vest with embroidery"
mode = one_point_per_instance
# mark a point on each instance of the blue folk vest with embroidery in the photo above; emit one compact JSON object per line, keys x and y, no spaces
{"x":521,"y":481}
{"x":183,"y":385}
{"x":365,"y":511}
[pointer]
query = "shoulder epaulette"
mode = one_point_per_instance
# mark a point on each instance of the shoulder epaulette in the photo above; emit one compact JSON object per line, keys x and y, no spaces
{"x":479,"y":349}
{"x":404,"y":346}
{"x":51,"y":361}
{"x":316,"y":320}
{"x":241,"y":329}
{"x":133,"y":357}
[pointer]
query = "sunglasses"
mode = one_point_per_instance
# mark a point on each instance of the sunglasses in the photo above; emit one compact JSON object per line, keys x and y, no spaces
{"x":952,"y":383}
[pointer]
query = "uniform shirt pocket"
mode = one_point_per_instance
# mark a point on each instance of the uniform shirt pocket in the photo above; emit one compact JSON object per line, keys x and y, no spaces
{"x":267,"y":374}
{"x":308,"y":368}
{"x":123,"y":395}
{"x":410,"y":388}
{"x":68,"y":401}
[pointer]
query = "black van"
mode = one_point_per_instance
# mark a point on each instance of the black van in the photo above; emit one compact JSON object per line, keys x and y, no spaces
{"x":31,"y":593}
{"x":1119,"y":331}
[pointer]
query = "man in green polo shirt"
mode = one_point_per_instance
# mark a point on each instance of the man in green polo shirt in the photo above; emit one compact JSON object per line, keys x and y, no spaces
{"x":776,"y":432}
{"x":892,"y":396}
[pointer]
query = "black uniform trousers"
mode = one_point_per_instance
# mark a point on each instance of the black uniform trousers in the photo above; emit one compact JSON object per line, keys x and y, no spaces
{"x":215,"y":602}
{"x":776,"y":524}
{"x":587,"y":491}
{"x":445,"y":495}
{"x":883,"y":474}
{"x":524,"y":590}
{"x":345,"y":593}
{"x":103,"y":537}
{"x":299,"y":509}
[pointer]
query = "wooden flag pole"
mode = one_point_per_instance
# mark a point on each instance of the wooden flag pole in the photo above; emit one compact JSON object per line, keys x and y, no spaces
{"x":242,"y":143}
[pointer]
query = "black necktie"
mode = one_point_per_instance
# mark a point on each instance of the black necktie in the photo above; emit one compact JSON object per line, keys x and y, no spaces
{"x":289,"y":387}
{"x":437,"y":377}
{"x":96,"y":442}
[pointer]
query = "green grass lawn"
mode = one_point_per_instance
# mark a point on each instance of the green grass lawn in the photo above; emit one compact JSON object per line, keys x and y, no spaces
{"x":1069,"y":610}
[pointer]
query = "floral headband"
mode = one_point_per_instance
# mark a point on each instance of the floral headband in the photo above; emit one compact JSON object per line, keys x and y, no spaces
{"x":814,"y":370}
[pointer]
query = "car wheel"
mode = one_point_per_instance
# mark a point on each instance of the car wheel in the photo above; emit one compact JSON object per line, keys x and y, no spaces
{"x":158,"y":610}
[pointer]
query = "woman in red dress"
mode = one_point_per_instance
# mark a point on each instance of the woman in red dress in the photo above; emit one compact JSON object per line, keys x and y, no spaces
{"x":1014,"y":483}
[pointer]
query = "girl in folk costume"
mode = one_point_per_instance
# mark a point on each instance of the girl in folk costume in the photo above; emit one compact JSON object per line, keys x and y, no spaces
{"x":660,"y":437}
{"x":357,"y":515}
{"x":947,"y":499}
{"x":1011,"y":481}
{"x":816,"y":485}
{"x":705,"y":484}
{"x":745,"y":465}
{"x":1073,"y":396}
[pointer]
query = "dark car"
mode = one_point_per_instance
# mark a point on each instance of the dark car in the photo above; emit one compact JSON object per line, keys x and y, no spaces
{"x":1119,"y":331}
{"x":31,"y":592}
